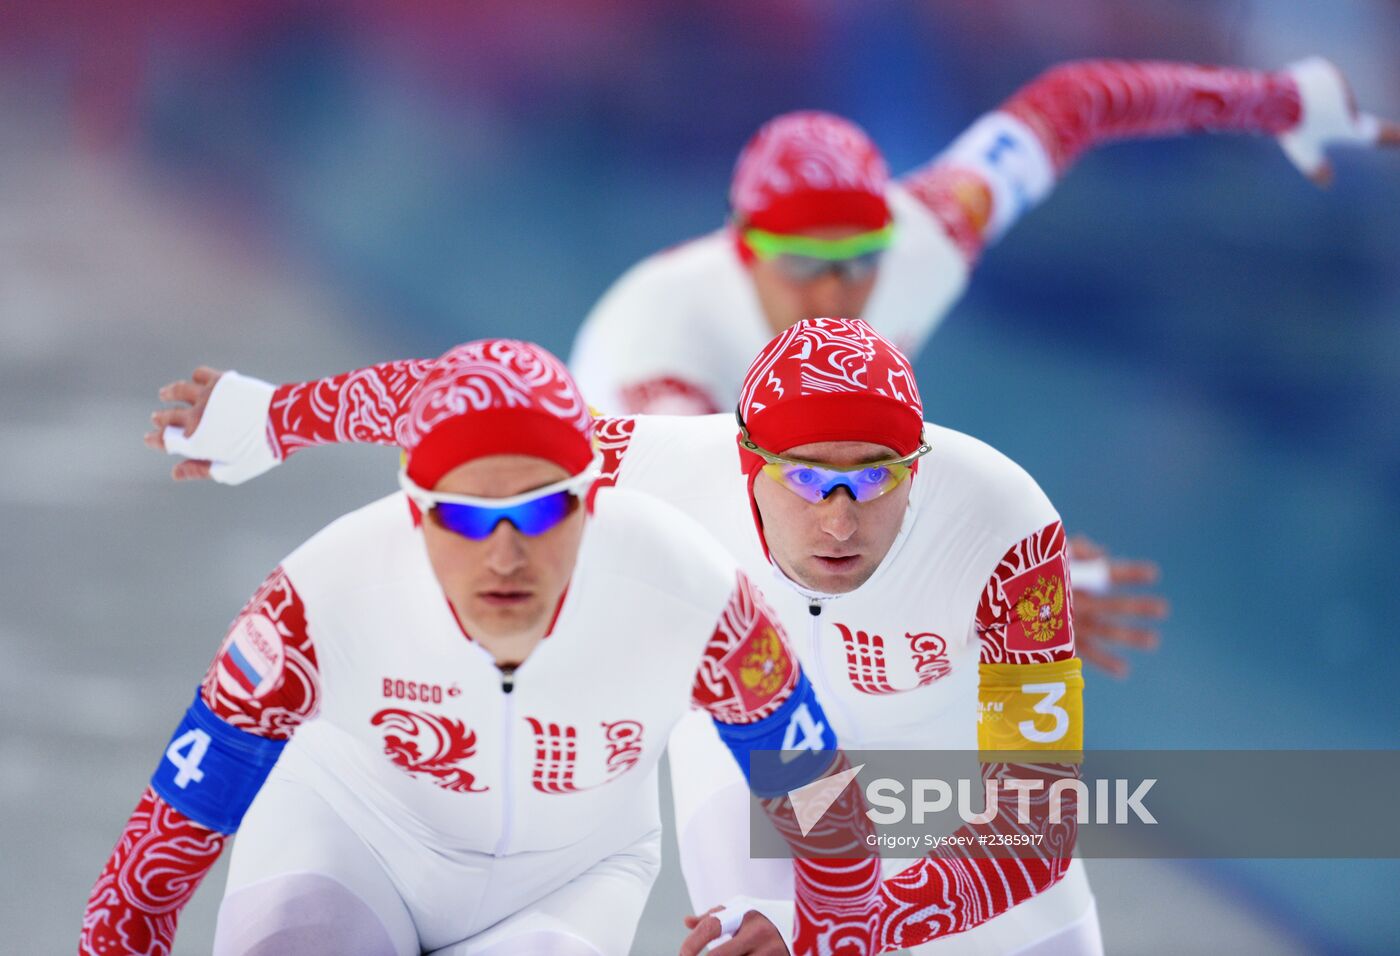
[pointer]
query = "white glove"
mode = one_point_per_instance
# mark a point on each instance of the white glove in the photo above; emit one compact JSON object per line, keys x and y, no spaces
{"x":781,"y":913}
{"x":1090,"y":576}
{"x":232,"y":432}
{"x":1328,"y":116}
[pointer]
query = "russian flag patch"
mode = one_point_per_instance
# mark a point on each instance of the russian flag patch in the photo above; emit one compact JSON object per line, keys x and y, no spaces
{"x":252,"y":657}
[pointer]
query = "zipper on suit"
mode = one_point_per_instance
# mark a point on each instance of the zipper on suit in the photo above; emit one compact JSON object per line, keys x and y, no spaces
{"x":507,"y":761}
{"x":828,"y":696}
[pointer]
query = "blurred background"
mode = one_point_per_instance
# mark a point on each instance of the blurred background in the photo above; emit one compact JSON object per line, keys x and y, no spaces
{"x":1193,"y":350}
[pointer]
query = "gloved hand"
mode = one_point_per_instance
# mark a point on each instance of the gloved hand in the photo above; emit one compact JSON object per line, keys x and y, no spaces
{"x":751,"y":924}
{"x":1329,"y":117}
{"x":221,"y":426}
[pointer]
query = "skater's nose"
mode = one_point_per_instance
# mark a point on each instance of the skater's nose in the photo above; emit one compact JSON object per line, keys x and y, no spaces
{"x":838,"y":515}
{"x":825,"y":295}
{"x":505,"y":550}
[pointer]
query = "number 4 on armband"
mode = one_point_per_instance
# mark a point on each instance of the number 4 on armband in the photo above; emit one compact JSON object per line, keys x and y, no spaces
{"x":185,"y":753}
{"x":811,"y":730}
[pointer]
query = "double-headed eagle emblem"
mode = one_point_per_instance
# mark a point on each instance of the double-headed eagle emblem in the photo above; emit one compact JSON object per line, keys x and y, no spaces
{"x":763,"y":669}
{"x":1041,"y":608}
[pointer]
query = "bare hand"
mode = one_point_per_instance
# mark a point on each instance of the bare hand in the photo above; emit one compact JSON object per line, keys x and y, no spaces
{"x":1102,"y":621}
{"x":191,"y":396}
{"x":756,"y":936}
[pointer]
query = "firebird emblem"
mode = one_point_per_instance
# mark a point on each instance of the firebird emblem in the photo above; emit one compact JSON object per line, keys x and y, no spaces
{"x":429,"y":744}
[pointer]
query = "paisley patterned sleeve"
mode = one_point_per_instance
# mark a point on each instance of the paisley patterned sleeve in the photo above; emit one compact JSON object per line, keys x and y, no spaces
{"x":748,"y":669}
{"x":1029,"y":701}
{"x":747,"y":673}
{"x":1009,"y":159}
{"x":667,"y":395}
{"x":157,"y":864}
{"x":366,"y":405}
{"x":264,"y":681}
{"x":370,"y":405}
{"x":1077,"y":106}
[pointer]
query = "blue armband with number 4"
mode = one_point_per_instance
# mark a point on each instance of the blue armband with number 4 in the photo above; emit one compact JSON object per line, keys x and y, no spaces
{"x":212,"y":770}
{"x":790,"y":747}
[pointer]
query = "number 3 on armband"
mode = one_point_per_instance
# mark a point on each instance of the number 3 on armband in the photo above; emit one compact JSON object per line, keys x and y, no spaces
{"x":187,"y":760}
{"x":1049,"y":706}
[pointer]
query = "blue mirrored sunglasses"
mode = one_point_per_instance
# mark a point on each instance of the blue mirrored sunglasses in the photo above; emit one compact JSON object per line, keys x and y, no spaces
{"x":531,"y":513}
{"x":814,"y":481}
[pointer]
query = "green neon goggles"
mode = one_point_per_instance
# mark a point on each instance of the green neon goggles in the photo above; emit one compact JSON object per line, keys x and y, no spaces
{"x":770,"y":245}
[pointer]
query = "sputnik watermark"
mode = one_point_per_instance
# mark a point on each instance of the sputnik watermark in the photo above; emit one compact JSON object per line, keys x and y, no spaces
{"x":1108,"y":801}
{"x":1105,"y":804}
{"x":1112,"y":802}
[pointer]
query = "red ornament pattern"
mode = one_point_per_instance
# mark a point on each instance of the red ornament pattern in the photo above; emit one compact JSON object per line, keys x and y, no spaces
{"x":803,"y":152}
{"x":868,"y":667}
{"x":556,"y":754}
{"x":1077,"y":106}
{"x":667,"y":396}
{"x":275,"y":608}
{"x":429,"y":745}
{"x":153,"y":871}
{"x":366,"y":405}
{"x":997,"y":608}
{"x":747,"y":669}
{"x":611,"y":438}
{"x":825,"y":356}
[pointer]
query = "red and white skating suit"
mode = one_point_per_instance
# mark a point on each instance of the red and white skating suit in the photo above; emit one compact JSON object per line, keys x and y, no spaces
{"x":895,"y":662}
{"x":674,"y":334}
{"x":419,"y":799}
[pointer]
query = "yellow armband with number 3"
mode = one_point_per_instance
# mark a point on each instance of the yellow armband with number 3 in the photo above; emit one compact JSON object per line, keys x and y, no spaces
{"x":1031,"y":706}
